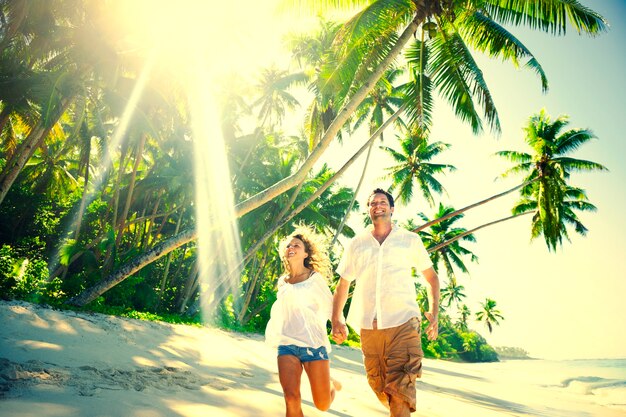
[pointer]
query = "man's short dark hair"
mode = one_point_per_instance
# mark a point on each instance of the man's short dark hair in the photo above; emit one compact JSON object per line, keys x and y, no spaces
{"x":381,"y":191}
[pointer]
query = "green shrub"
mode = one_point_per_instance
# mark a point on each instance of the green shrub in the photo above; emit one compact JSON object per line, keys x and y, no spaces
{"x":25,"y":278}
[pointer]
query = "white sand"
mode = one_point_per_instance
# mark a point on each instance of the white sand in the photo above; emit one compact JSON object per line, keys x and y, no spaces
{"x":58,"y":363}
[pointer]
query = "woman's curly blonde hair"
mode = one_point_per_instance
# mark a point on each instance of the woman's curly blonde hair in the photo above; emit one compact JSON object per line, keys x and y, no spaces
{"x":315,"y":244}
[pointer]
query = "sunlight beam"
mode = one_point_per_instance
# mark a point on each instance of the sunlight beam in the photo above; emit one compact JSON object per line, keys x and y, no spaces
{"x":219,"y":249}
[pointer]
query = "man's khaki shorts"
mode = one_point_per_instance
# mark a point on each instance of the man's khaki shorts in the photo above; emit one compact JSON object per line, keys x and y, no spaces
{"x":393,"y":361}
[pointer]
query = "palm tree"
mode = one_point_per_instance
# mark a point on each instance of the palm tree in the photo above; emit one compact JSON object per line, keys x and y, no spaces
{"x":571,"y":199}
{"x":547,"y":172}
{"x":444,"y":61}
{"x":489,"y":314}
{"x":385,"y":98}
{"x":464,"y":314}
{"x":370,"y":42}
{"x":310,"y":51}
{"x":545,"y":192}
{"x":275,"y":99}
{"x":452,"y":293}
{"x":451,"y":255}
{"x":413,"y":167}
{"x":61,"y":51}
{"x":53,"y":168}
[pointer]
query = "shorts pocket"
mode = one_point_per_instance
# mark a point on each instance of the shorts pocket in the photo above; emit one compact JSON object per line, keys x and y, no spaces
{"x":413,"y":367}
{"x":374,"y":372}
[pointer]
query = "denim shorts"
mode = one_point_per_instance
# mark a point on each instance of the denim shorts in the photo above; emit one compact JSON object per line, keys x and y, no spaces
{"x":305,"y":354}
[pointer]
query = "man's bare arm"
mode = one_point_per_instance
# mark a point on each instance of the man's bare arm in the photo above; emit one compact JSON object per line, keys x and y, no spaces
{"x":340,"y":330}
{"x":432,"y":315}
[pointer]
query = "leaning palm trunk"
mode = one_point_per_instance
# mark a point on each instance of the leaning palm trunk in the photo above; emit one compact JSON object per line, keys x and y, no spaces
{"x":130,"y":268}
{"x":462,"y":235}
{"x":464,"y":209}
{"x":190,"y":286}
{"x":292,"y":200}
{"x":356,"y":191}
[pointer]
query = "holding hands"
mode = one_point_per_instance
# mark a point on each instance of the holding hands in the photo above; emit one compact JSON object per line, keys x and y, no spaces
{"x":339,"y":332}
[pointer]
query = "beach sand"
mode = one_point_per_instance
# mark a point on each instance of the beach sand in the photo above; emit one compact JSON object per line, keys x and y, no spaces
{"x":63,"y":364}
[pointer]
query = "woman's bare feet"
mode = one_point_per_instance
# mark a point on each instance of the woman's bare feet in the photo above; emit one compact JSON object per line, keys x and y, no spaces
{"x":336,"y":384}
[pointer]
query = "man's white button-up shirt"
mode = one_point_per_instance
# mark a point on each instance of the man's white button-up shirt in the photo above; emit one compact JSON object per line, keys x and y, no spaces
{"x":385,"y":287}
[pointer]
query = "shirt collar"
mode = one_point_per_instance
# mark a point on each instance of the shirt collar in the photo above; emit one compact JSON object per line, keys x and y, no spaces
{"x":394,"y":227}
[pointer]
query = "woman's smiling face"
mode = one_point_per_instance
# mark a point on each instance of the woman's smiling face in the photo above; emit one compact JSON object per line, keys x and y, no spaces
{"x":295,"y":250}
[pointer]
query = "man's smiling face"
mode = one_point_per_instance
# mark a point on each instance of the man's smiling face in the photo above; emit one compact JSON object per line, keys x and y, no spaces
{"x":379,"y":207}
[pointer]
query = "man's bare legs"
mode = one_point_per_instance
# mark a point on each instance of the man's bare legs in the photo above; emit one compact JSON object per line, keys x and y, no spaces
{"x":398,"y":407}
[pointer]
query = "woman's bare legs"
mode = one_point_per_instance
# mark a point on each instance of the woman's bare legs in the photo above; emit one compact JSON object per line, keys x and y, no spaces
{"x":323,"y":387}
{"x":290,"y":373}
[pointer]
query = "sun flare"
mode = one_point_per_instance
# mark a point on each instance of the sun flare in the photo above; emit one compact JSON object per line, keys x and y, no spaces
{"x":186,"y":45}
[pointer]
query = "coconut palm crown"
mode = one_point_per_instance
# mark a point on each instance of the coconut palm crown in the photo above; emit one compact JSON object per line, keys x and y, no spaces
{"x":547,"y":174}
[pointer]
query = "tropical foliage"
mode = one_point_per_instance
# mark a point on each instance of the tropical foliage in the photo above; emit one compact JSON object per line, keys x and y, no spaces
{"x":100,"y":148}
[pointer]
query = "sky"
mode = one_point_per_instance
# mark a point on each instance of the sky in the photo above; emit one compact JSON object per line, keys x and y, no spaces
{"x":566,"y":304}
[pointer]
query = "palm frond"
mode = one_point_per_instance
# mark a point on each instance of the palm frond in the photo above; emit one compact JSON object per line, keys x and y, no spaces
{"x":547,"y":15}
{"x":579,"y":165}
{"x":449,"y":74}
{"x":515,"y":156}
{"x":418,"y":90}
{"x":572,"y":140}
{"x":361,"y":44}
{"x":484,"y":34}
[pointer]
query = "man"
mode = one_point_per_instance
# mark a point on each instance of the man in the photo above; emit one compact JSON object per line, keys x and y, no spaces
{"x":384,"y":308}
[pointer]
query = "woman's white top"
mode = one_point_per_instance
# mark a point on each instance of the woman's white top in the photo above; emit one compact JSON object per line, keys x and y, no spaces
{"x":300,"y":313}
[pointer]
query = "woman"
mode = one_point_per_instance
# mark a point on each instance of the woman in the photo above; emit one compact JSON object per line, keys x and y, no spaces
{"x":297,"y":325}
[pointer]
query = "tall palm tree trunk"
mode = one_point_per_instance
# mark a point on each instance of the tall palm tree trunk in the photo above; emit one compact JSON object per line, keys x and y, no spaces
{"x":5,"y":115}
{"x":34,"y":139}
{"x":251,"y":289}
{"x":462,"y":235}
{"x":166,"y":270}
{"x":131,"y":190}
{"x":471,"y":206}
{"x":190,"y":286}
{"x":83,"y":200}
{"x":356,"y":191}
{"x":113,"y":207}
{"x":81,"y":209}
